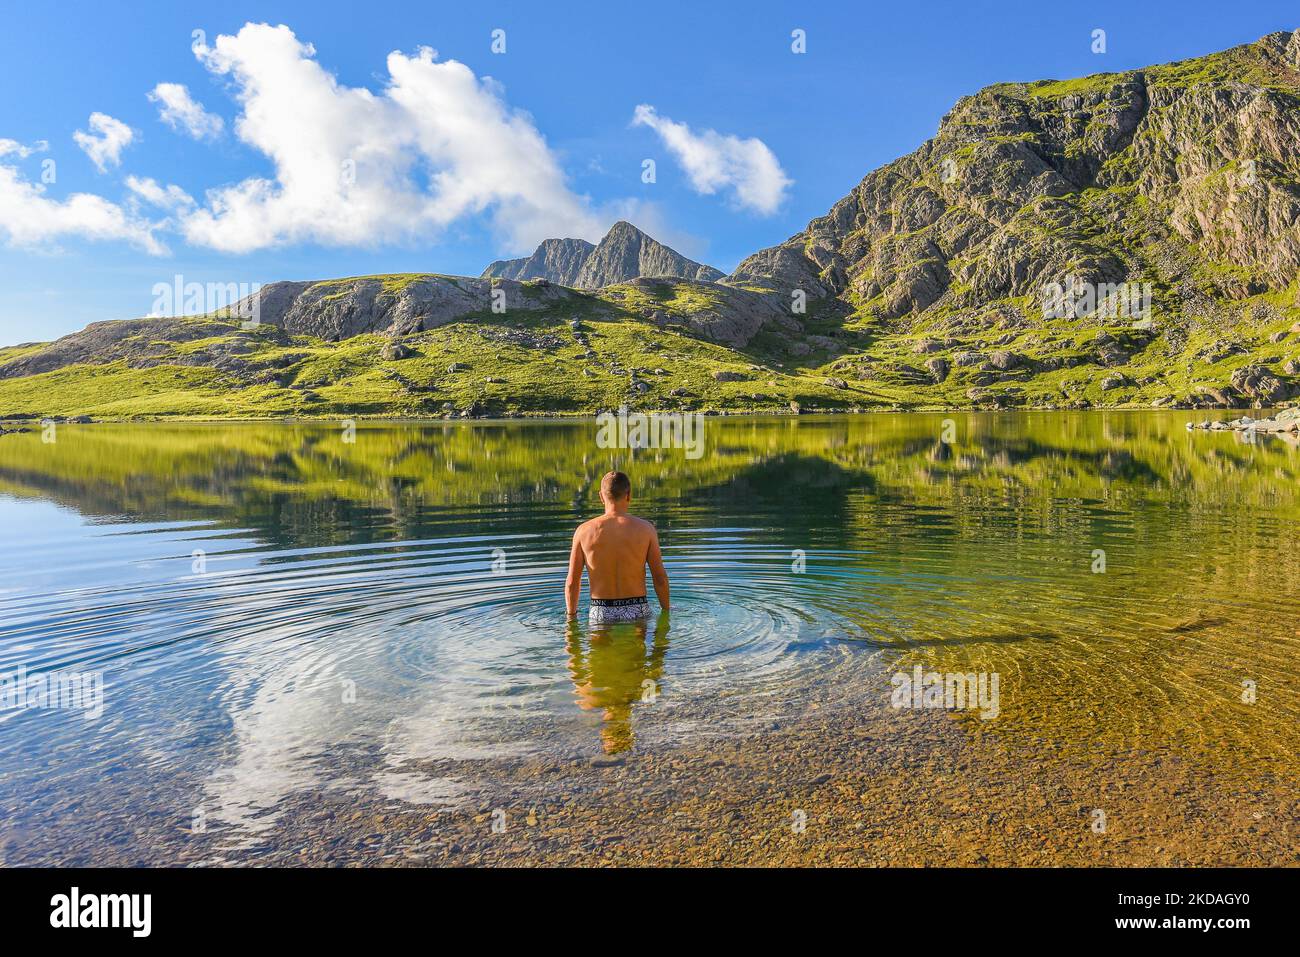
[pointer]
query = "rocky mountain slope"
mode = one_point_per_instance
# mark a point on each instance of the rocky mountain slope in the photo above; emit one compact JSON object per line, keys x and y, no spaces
{"x":555,"y":260}
{"x":624,"y":254}
{"x":1103,"y":178}
{"x":1185,"y":176}
{"x":928,"y":286}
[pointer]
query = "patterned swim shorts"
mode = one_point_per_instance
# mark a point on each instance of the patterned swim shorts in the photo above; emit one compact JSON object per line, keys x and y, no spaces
{"x":609,"y":610}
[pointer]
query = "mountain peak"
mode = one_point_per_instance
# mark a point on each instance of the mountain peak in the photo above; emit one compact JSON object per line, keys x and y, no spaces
{"x":625,"y":253}
{"x":556,"y":260}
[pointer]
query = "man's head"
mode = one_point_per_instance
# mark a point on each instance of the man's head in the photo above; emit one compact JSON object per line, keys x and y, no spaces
{"x":615,"y":488}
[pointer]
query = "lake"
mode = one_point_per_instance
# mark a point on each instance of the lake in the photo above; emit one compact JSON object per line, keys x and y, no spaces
{"x":298,"y":641}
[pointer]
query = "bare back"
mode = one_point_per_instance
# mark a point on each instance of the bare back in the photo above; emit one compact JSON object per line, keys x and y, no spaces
{"x":616,"y":550}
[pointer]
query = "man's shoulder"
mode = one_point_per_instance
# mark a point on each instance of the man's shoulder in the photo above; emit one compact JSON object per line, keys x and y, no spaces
{"x":645,"y":524}
{"x":592,"y":523}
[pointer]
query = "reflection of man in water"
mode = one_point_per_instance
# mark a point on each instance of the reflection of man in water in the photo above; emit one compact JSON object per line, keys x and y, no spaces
{"x":615,"y":549}
{"x":616,"y":672}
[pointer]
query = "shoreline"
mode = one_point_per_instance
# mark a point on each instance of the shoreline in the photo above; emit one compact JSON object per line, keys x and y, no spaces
{"x":560,"y":417}
{"x":866,"y":800}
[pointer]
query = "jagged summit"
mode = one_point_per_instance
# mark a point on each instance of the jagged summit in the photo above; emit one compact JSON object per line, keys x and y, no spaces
{"x":626,"y":253}
{"x":557,"y":260}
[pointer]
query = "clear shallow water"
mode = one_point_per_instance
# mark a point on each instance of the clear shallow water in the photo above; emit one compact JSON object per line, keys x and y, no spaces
{"x":384,"y":618}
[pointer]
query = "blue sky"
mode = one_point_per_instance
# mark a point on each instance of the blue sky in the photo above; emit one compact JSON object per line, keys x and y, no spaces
{"x":552,"y":128}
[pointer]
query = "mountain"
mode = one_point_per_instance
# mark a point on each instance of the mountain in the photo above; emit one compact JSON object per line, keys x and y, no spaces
{"x":1156,"y":172}
{"x":555,"y":260}
{"x":1165,"y":200}
{"x":1184,"y":176}
{"x":624,"y":254}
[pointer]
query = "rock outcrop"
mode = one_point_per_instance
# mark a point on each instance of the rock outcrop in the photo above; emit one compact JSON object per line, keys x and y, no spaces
{"x":1286,"y":422}
{"x":728,"y":316}
{"x":555,"y":260}
{"x":1132,"y":176}
{"x":396,"y":305}
{"x":131,"y":340}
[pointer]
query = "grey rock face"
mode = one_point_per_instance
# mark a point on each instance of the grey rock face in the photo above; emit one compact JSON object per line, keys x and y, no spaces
{"x":556,"y":260}
{"x":339,"y":309}
{"x":938,"y":367}
{"x":1258,"y":383}
{"x":138,"y":341}
{"x":783,"y":268}
{"x":1004,"y":360}
{"x":624,"y":254}
{"x":734,"y":318}
{"x":989,"y":208}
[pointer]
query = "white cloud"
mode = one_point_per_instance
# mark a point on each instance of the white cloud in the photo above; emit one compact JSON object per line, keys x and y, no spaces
{"x":165,"y":197}
{"x":356,"y":167}
{"x":104,"y":146}
{"x":181,"y":112}
{"x":22,"y":151}
{"x":714,"y":161}
{"x":29,"y":218}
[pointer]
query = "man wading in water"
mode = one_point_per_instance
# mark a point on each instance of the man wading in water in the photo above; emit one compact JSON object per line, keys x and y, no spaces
{"x":615,"y":549}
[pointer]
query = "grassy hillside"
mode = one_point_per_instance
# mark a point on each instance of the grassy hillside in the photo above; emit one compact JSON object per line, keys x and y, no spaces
{"x":538,"y":363}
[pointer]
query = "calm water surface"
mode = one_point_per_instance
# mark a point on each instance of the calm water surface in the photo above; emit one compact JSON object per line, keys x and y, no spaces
{"x":276,"y":612}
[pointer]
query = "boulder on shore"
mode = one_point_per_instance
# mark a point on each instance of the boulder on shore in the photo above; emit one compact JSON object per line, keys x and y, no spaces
{"x":1286,"y":421}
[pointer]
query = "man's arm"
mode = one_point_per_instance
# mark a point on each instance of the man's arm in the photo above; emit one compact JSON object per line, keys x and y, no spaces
{"x":655,"y":559}
{"x":573,"y":585}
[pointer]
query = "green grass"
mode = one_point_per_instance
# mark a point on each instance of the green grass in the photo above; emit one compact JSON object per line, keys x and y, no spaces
{"x":393,"y":284}
{"x":535,"y":376}
{"x":1080,"y":86}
